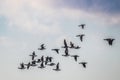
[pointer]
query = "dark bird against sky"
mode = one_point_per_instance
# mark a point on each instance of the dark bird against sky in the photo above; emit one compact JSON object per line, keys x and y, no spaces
{"x":56,"y":50}
{"x":42,"y":47}
{"x":57,"y":67}
{"x":21,"y":66}
{"x":83,"y":64}
{"x":110,"y":41}
{"x":82,"y":26}
{"x":33,"y":55}
{"x":81,"y":37}
{"x":75,"y":57}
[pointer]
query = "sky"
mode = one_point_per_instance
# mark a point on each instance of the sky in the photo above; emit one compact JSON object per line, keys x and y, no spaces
{"x":25,"y":24}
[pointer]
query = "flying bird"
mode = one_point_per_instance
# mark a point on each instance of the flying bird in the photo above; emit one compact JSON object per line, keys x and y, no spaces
{"x":75,"y":57}
{"x":57,"y":67}
{"x":28,"y":65}
{"x":77,"y":47}
{"x":71,"y":45}
{"x":110,"y":41}
{"x":42,"y":59}
{"x":83,"y":64}
{"x":41,"y":65}
{"x":56,"y":50}
{"x":38,"y":60}
{"x":42,"y":47}
{"x":81,"y":37}
{"x":33,"y":63}
{"x":82,"y":26}
{"x":49,"y":59}
{"x":51,"y":64}
{"x":66,"y":53}
{"x":33,"y":55}
{"x":65,"y":44}
{"x":21,"y":66}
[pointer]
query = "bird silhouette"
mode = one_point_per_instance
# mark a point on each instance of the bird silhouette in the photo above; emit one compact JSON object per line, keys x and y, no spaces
{"x":81,"y":37}
{"x":75,"y":57}
{"x":65,"y":44}
{"x":28,"y":65}
{"x":41,"y":65}
{"x":82,"y":26}
{"x":21,"y":66}
{"x":83,"y":64}
{"x":33,"y":55}
{"x":110,"y":41}
{"x":77,"y":47}
{"x":71,"y":45}
{"x":42,"y":47}
{"x":42,"y":59}
{"x":66,"y":53}
{"x":51,"y":64}
{"x":38,"y":60}
{"x":57,"y":67}
{"x":33,"y":63}
{"x":56,"y":50}
{"x":47,"y":60}
{"x":50,"y":59}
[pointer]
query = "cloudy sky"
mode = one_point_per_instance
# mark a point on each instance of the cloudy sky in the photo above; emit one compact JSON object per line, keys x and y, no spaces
{"x":25,"y":24}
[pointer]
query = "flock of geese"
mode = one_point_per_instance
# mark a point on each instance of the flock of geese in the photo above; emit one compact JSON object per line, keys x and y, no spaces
{"x":48,"y":60}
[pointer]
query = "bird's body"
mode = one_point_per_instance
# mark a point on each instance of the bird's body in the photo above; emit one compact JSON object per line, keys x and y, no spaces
{"x":38,"y":60}
{"x":82,"y":26}
{"x":41,"y":65}
{"x":75,"y":57}
{"x":28,"y":65}
{"x":51,"y":64}
{"x":21,"y":66}
{"x":110,"y":41}
{"x":49,"y":59}
{"x":65,"y":44}
{"x":77,"y":47}
{"x":42,"y":59}
{"x":33,"y":63}
{"x":81,"y":37}
{"x":57,"y":67}
{"x":83,"y":64}
{"x":33,"y":55}
{"x":42,"y":47}
{"x":71,"y":45}
{"x":56,"y":50}
{"x":66,"y":53}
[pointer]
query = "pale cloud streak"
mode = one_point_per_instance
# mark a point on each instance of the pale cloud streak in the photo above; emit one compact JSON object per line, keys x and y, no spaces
{"x":44,"y":17}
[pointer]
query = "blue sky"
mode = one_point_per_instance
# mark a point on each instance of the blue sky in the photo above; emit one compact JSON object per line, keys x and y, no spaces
{"x":25,"y":24}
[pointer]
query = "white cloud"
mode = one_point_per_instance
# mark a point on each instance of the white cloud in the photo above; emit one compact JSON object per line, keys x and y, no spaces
{"x":31,"y":16}
{"x":42,"y":17}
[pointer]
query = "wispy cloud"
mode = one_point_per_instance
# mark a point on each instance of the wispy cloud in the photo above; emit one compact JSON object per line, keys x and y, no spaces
{"x":30,"y":16}
{"x":107,"y":6}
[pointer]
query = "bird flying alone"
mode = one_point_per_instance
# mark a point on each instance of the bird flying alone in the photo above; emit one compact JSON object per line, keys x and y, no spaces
{"x":110,"y":41}
{"x":83,"y":64}
{"x":56,"y":50}
{"x":42,"y":47}
{"x":75,"y":57}
{"x":81,"y":36}
{"x":82,"y":26}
